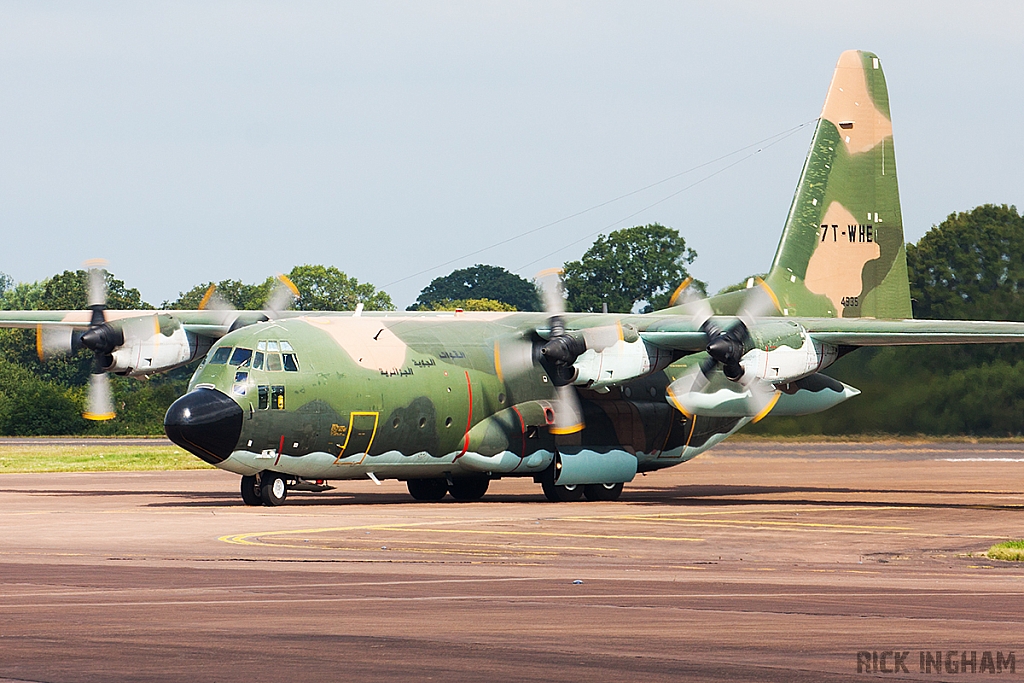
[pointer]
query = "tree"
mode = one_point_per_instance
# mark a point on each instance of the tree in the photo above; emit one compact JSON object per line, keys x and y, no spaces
{"x":480,"y":282}
{"x":321,"y":288}
{"x":6,"y":282}
{"x":325,"y":288}
{"x":970,"y":266}
{"x":68,"y":290}
{"x":641,"y":264}
{"x":238,"y":294}
{"x":469,"y":305}
{"x":32,"y":406}
{"x":24,"y":296}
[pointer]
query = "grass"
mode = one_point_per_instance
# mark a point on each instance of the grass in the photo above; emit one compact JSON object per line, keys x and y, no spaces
{"x":1012,"y":551}
{"x":50,"y":458}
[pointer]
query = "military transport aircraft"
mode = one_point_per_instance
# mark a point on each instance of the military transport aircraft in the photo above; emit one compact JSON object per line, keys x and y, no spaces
{"x":579,"y":402}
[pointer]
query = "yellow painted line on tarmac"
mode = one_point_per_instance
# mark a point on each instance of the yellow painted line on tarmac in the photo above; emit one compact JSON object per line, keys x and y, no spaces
{"x":759,"y":522}
{"x":495,"y":546}
{"x":253,"y":538}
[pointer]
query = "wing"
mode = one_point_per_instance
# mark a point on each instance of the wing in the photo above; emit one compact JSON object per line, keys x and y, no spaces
{"x":869,"y":332}
{"x":212,"y":324}
{"x":680,"y":334}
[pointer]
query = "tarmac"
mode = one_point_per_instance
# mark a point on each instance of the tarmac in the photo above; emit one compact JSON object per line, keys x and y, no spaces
{"x":754,"y":562}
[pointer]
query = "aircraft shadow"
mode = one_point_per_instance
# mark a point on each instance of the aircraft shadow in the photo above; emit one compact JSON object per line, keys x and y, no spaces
{"x":696,"y":495}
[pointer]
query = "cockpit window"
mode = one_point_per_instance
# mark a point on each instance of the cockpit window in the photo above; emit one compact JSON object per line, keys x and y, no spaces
{"x":285,"y":346}
{"x":290,"y":364}
{"x":272,"y":346}
{"x":241,"y":356}
{"x":221,"y":355}
{"x":274,"y":362}
{"x":261,"y":346}
{"x":257,"y":360}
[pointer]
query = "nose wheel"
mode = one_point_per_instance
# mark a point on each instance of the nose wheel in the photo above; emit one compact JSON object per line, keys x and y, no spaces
{"x":251,"y":493}
{"x":264,"y":488}
{"x":273,"y":489}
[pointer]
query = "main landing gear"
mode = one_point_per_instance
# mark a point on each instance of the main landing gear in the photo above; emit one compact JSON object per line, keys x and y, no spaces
{"x":464,"y":489}
{"x":569,"y":494}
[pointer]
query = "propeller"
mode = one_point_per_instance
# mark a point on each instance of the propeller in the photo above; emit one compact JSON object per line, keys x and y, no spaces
{"x":558,"y":354}
{"x":101,"y":339}
{"x":280,"y":299}
{"x":726,"y":346}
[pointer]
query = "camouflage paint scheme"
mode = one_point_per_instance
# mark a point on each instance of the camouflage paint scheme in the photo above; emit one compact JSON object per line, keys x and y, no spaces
{"x":427,"y":387}
{"x":428,"y":395}
{"x":842,"y":252}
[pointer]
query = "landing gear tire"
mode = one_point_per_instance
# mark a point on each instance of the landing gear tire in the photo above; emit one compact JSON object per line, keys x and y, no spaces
{"x":427,"y":490}
{"x":556,"y":493}
{"x":602,"y":491}
{"x":251,"y":491}
{"x":273,"y":489}
{"x":468,"y":488}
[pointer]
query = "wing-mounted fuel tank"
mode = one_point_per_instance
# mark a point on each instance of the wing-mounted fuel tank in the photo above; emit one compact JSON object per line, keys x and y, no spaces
{"x":812,"y":394}
{"x":141,"y":346}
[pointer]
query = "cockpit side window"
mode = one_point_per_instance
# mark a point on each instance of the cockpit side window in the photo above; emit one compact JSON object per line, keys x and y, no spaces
{"x":241,"y":356}
{"x":290,"y":362}
{"x":221,"y":355}
{"x":257,"y":360}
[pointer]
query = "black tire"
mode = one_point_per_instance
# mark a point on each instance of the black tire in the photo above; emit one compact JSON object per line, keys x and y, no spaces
{"x":603,"y":491}
{"x":468,"y":488}
{"x":427,"y":490}
{"x":556,"y":493}
{"x":273,"y":489}
{"x":251,"y":492}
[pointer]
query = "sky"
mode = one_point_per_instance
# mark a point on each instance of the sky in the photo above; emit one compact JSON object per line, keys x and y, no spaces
{"x":194,"y":142}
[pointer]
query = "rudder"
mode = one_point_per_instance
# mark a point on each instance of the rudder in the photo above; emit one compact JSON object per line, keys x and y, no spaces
{"x":842,"y":252}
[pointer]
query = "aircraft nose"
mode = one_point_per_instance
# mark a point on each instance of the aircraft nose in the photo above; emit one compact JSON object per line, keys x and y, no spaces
{"x":206,"y":423}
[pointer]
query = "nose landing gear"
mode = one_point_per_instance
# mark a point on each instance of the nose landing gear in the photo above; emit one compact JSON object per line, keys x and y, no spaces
{"x":264,"y":488}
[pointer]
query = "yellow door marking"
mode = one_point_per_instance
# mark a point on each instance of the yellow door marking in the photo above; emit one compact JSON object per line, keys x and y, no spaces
{"x":351,"y":425}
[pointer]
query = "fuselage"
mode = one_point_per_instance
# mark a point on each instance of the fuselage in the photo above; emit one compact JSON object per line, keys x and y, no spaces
{"x":409,"y":397}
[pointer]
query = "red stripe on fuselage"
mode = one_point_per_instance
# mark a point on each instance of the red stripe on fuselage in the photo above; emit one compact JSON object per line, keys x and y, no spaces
{"x":469,"y":418}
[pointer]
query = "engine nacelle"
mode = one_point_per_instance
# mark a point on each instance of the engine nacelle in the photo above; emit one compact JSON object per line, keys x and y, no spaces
{"x":621,"y":362}
{"x":788,"y":357}
{"x":154,"y":344}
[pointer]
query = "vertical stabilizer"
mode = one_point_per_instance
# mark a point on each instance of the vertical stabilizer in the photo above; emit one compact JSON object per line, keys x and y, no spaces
{"x":842,"y":252}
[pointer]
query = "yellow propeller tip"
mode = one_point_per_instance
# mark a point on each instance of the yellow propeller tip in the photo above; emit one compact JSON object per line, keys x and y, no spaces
{"x":99,"y":417}
{"x":289,"y":284}
{"x":548,"y":272}
{"x":775,"y":300}
{"x":206,"y":297}
{"x":679,"y":291}
{"x":768,"y":408}
{"x":560,"y":431}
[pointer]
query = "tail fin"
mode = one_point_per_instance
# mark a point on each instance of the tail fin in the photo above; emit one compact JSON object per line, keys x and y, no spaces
{"x":842,"y":252}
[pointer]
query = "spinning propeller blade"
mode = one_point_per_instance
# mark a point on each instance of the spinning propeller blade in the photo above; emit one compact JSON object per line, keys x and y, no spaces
{"x":726,"y":347}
